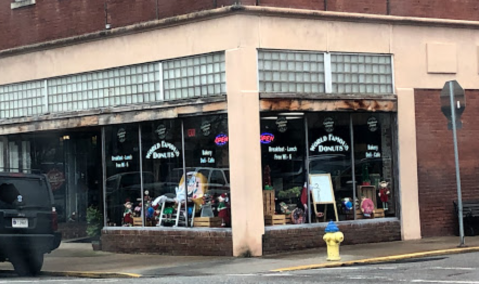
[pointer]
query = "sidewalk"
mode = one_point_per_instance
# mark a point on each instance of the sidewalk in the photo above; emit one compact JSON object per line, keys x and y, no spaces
{"x":78,"y":259}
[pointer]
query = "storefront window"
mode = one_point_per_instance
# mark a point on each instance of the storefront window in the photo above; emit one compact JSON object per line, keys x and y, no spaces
{"x":162,"y":164}
{"x":348,"y":155}
{"x":166,"y":150}
{"x":283,"y":158}
{"x":373,"y":160}
{"x":330,"y":155}
{"x":123,"y":183}
{"x":207,"y":166}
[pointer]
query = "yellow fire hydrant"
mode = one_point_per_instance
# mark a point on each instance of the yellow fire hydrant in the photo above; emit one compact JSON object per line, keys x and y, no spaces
{"x":333,"y":238}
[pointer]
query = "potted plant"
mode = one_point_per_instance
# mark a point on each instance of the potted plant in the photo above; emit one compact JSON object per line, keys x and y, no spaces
{"x":94,"y":219}
{"x":290,"y":194}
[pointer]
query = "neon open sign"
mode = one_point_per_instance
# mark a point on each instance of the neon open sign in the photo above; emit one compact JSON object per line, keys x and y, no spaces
{"x":221,"y":139}
{"x":266,"y":138}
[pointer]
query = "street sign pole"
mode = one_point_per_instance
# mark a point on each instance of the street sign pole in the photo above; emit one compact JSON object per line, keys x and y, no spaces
{"x":456,"y":158}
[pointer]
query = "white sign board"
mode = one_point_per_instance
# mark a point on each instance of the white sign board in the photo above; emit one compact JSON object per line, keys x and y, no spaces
{"x":322,"y":191}
{"x":322,"y":188}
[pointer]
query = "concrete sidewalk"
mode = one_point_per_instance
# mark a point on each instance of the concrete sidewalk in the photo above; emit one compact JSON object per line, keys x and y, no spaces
{"x":78,"y":259}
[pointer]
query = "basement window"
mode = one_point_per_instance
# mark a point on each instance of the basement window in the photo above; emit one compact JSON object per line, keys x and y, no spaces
{"x":21,"y":3}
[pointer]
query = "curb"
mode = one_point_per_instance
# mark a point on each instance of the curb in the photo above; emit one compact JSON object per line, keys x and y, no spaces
{"x":377,"y":260}
{"x":91,"y":274}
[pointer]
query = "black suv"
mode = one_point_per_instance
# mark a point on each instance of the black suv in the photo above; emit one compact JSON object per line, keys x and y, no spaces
{"x":28,"y":221}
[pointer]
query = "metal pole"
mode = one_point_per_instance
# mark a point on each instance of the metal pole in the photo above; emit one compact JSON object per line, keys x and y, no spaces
{"x":353,"y":165}
{"x":306,"y":165}
{"x":103,"y":162}
{"x":456,"y":159}
{"x":184,"y":172}
{"x":142,"y":215}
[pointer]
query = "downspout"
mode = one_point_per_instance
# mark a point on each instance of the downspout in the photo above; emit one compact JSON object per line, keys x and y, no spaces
{"x":325,"y":5}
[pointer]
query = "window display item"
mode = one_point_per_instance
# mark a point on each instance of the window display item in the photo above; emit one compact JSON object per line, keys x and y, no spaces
{"x":224,"y":210}
{"x":367,"y":207}
{"x":127,"y":214}
{"x":384,"y":194}
{"x":268,"y":202}
{"x":196,"y":185}
{"x":276,"y":219}
{"x":347,"y":204}
{"x":365,"y":175}
{"x":297,"y":216}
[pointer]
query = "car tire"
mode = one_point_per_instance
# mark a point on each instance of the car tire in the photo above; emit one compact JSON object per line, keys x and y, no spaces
{"x":28,"y":264}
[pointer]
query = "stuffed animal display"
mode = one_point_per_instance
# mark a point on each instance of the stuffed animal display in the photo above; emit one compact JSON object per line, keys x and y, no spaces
{"x":384,"y":194}
{"x":223,"y":209}
{"x":367,"y":207}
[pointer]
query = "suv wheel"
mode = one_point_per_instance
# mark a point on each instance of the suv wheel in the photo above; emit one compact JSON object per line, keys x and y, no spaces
{"x":27,"y":264}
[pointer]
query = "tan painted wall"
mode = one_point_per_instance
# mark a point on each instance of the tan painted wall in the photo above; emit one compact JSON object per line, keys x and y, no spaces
{"x":411,"y":226}
{"x":245,"y":152}
{"x":240,"y":35}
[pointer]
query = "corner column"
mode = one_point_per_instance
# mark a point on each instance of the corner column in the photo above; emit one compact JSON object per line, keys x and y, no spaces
{"x":244,"y":151}
{"x":408,"y":180}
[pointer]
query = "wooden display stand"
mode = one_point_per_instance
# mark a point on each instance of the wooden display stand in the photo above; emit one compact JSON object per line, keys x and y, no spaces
{"x":368,"y":191}
{"x":268,"y":202}
{"x":272,"y":220}
{"x":208,"y":222}
{"x":379,"y":213}
{"x":137,"y":222}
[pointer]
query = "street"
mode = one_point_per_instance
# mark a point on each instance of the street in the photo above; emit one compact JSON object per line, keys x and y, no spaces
{"x":454,"y":269}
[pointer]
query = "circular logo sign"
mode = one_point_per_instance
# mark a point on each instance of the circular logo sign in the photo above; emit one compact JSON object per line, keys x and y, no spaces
{"x":372,"y":124}
{"x":121,"y":135}
{"x":282,"y":124}
{"x":206,"y":128}
{"x":161,"y":131}
{"x":328,"y":124}
{"x":56,"y":179}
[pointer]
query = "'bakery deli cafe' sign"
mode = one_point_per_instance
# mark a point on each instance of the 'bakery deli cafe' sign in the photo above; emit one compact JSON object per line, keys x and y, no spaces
{"x":329,"y":144}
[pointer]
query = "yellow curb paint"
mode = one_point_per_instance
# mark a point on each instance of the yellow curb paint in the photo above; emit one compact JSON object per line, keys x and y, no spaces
{"x":91,"y":274}
{"x":379,"y":259}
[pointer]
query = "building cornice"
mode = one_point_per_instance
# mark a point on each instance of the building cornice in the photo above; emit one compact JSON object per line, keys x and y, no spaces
{"x":239,"y":9}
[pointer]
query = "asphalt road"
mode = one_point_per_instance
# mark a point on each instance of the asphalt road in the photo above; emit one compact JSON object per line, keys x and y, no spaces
{"x":453,"y":269}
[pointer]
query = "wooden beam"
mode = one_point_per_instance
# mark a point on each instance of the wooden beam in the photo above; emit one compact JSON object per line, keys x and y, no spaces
{"x":103,"y":118}
{"x":327,"y":105}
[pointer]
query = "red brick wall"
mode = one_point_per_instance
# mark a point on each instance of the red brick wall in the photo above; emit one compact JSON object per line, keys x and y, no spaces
{"x":169,"y":242}
{"x":447,"y":9}
{"x":48,"y":19}
{"x":219,"y":242}
{"x":277,"y":240}
{"x":297,"y":4}
{"x":358,"y":6}
{"x":436,"y":168}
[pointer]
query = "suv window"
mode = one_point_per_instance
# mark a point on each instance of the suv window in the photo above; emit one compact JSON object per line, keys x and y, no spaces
{"x":34,"y":192}
{"x":217,"y":177}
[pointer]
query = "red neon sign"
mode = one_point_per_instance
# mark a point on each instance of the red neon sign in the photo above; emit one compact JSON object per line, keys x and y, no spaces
{"x":221,"y":139}
{"x":266,"y":138}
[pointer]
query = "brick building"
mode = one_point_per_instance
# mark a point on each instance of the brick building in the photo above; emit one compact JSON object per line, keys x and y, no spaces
{"x":115,"y":100}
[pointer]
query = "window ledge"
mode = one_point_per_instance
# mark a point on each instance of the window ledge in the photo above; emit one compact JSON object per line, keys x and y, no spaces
{"x":23,"y":3}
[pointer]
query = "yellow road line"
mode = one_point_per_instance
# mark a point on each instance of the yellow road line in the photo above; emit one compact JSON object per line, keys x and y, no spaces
{"x":379,"y":259}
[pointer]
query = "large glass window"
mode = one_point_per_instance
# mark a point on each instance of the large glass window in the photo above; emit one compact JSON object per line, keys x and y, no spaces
{"x":123,"y":183}
{"x":283,"y":157}
{"x":349,"y":160}
{"x":198,"y":144}
{"x":206,"y":144}
{"x":162,"y":158}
